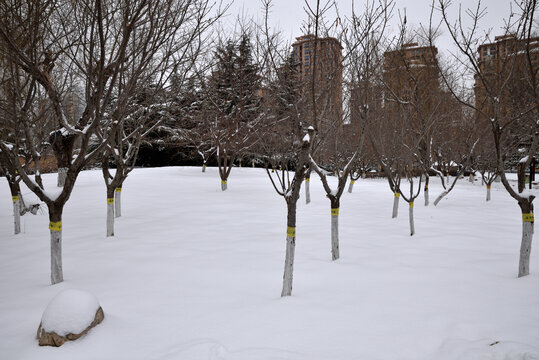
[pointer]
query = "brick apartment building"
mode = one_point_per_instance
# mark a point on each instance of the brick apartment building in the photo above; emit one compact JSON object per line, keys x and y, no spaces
{"x":504,"y":69}
{"x":411,"y":74}
{"x":328,"y":75}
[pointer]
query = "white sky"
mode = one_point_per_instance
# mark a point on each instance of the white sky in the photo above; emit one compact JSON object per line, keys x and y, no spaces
{"x":288,"y":15}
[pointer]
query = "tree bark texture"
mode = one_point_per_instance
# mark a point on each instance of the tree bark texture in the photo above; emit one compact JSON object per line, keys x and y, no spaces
{"x":55,"y":227}
{"x":411,"y":217}
{"x":395,"y":205}
{"x":440,"y":197}
{"x":290,"y":250}
{"x":335,"y":233}
{"x":118,"y":202}
{"x":16,"y":214}
{"x":351,"y":186}
{"x":62,"y":174}
{"x":526,"y":244}
{"x":307,"y":190}
{"x":110,"y":217}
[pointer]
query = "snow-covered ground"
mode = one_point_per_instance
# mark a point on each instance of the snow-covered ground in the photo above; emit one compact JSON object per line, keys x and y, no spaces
{"x":196,"y":273}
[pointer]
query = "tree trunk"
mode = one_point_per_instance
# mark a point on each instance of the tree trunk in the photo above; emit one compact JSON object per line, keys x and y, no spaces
{"x":16,"y":214}
{"x":55,"y":227}
{"x":118,"y":202}
{"x":204,"y":167}
{"x":16,"y":198}
{"x":396,"y":205}
{"x":62,"y":174}
{"x":426,"y":194}
{"x":307,"y":191}
{"x":110,"y":211}
{"x":488,"y":192}
{"x":471,"y":178}
{"x":223,"y":185}
{"x":351,"y":186}
{"x":521,"y":177}
{"x":440,"y":197}
{"x":525,"y":246}
{"x":334,"y":229}
{"x":290,"y":249}
{"x":411,"y":216}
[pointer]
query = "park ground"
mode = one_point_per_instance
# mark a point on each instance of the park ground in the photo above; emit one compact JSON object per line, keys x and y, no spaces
{"x":196,"y":273}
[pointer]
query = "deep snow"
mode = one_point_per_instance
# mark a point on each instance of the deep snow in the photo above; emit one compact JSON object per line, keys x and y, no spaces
{"x":196,"y":273}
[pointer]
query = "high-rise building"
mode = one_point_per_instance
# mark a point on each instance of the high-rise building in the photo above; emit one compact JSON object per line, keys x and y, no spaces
{"x":327,"y":76}
{"x":504,"y":68}
{"x":411,"y":74}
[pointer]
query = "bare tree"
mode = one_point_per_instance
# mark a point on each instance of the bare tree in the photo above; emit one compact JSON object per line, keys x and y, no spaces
{"x":338,"y":150}
{"x":232,"y":99}
{"x":104,"y":46}
{"x":506,"y":94}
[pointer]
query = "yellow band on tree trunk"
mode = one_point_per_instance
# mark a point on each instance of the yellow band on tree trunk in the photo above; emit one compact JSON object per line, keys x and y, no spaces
{"x":352,"y":182}
{"x":15,"y":198}
{"x":110,"y":200}
{"x":223,"y":181}
{"x":488,"y":186}
{"x":527,"y":217}
{"x":335,"y":211}
{"x":411,"y":204}
{"x":397,"y":195}
{"x":290,"y":231}
{"x":55,"y":226}
{"x":307,"y":179}
{"x":118,"y":190}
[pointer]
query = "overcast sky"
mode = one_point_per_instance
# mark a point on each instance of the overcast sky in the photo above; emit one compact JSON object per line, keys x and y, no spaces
{"x":288,"y":15}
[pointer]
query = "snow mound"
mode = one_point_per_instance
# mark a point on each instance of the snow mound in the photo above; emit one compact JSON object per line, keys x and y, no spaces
{"x":70,"y":312}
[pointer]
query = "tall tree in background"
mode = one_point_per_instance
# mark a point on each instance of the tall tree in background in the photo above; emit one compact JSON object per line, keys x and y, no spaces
{"x":232,"y":95}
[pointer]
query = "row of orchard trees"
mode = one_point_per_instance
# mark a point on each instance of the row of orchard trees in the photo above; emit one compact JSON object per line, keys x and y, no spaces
{"x":149,"y":72}
{"x":116,"y":57}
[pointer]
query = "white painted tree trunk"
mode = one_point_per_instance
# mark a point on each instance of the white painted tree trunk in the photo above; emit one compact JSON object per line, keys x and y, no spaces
{"x":525,"y":246}
{"x":62,"y":174}
{"x":289,"y":262}
{"x":488,"y":192}
{"x":307,"y":191}
{"x":204,"y":168}
{"x":426,"y":193}
{"x":110,"y":217}
{"x":471,"y":178}
{"x":223,"y":185}
{"x":16,"y":214}
{"x":335,"y":234}
{"x":440,"y":197}
{"x":351,"y":186}
{"x":57,"y":274}
{"x":411,"y":216}
{"x":118,"y":202}
{"x":395,"y":205}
